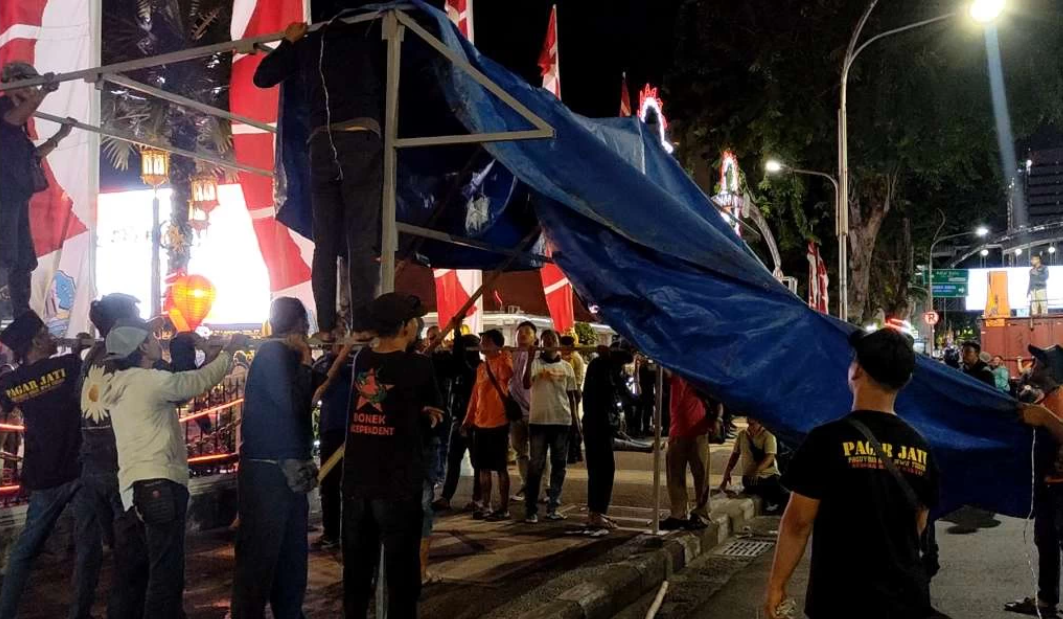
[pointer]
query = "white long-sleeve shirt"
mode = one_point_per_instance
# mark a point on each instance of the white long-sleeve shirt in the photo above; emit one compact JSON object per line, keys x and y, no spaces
{"x":149,"y":436}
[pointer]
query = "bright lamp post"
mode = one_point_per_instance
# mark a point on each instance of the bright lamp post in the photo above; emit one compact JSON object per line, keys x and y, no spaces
{"x":980,"y":232}
{"x":981,"y":11}
{"x":773,"y":166}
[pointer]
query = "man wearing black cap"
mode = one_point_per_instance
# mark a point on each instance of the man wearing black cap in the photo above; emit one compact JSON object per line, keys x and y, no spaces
{"x":394,"y":404}
{"x":1046,"y":377}
{"x":44,"y":388}
{"x":278,"y":437}
{"x":21,"y":176}
{"x":855,"y":499}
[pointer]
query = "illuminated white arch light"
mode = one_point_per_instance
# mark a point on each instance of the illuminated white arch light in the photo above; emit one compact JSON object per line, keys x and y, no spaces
{"x":650,"y":101}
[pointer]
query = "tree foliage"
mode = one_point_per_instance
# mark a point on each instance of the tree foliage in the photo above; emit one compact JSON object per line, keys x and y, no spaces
{"x":762,"y":77}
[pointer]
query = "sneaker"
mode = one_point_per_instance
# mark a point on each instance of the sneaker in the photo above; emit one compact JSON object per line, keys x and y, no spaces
{"x":532,"y":519}
{"x":497,"y":516}
{"x":673,"y":524}
{"x":326,"y":543}
{"x":554,"y":516}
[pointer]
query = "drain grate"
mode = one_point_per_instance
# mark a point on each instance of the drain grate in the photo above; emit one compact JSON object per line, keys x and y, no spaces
{"x":745,"y":548}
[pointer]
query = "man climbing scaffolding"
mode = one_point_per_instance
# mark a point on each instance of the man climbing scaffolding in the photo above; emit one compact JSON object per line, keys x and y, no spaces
{"x":341,"y":67}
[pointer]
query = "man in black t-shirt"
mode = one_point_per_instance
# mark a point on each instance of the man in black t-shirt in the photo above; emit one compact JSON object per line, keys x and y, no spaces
{"x":867,"y":518}
{"x":395,"y":403}
{"x":44,"y":388}
{"x":973,"y":365}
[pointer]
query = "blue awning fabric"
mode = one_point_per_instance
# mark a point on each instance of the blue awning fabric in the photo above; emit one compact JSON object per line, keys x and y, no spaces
{"x":641,"y":241}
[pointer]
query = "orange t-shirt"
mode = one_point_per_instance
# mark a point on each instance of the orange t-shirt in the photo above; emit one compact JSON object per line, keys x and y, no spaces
{"x":486,"y":409}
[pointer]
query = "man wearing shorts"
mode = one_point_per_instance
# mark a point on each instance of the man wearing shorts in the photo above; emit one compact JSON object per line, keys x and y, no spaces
{"x":486,"y":417}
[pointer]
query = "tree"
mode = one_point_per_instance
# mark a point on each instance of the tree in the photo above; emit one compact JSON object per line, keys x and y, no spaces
{"x":761,"y":77}
{"x":142,"y":28}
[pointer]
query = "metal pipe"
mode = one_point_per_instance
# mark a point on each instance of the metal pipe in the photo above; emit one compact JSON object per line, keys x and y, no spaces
{"x":156,"y":261}
{"x":389,"y":244}
{"x":657,"y":415}
{"x":436,"y":235}
{"x":121,"y":80}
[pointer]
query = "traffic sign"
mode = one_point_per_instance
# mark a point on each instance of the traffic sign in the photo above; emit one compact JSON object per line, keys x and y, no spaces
{"x":950,"y":291}
{"x":931,"y":318}
{"x":951,"y":276}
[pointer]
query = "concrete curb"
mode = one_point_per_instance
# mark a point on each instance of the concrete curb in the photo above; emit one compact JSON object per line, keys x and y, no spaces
{"x":618,"y":585}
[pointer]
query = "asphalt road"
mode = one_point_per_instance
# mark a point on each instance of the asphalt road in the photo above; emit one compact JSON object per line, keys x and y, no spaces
{"x":983,"y":566}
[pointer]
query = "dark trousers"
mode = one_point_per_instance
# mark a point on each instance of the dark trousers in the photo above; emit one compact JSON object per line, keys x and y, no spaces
{"x":331,"y":487}
{"x":1048,"y":536}
{"x":346,"y":206}
{"x":368,"y":523}
{"x":17,"y":254}
{"x":163,"y":508}
{"x":459,"y":444}
{"x":271,"y":546}
{"x":545,"y":438}
{"x":601,"y":468}
{"x":99,"y":515}
{"x":768,"y":488}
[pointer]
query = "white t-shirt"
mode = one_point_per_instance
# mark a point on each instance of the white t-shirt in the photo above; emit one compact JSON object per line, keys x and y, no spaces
{"x":551,"y":383}
{"x":766,"y":443}
{"x":147,"y":432}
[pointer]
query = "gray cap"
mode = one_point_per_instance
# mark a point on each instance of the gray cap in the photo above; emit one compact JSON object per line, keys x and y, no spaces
{"x":14,"y":71}
{"x":125,"y":337}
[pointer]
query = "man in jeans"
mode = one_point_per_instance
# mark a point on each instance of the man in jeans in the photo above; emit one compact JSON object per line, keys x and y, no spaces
{"x":342,"y":67}
{"x":152,"y":455}
{"x":519,"y":439}
{"x":98,"y":503}
{"x":44,"y":388}
{"x":276,"y":471}
{"x":552,"y":418}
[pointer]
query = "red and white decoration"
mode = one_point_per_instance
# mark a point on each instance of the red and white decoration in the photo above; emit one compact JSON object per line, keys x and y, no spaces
{"x":817,"y":280}
{"x":287,"y":255}
{"x":549,"y":60}
{"x":460,"y":12}
{"x":59,"y":36}
{"x":650,"y":101}
{"x":625,"y":97}
{"x":453,"y":289}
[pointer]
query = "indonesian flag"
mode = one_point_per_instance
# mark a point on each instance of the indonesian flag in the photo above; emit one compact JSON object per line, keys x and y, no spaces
{"x":287,"y":254}
{"x":453,"y":289}
{"x":549,"y":61}
{"x":57,"y":36}
{"x":817,"y":280}
{"x":460,"y":12}
{"x":625,"y":98}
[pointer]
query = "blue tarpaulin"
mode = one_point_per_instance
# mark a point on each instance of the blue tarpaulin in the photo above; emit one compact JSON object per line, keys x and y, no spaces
{"x":641,"y":241}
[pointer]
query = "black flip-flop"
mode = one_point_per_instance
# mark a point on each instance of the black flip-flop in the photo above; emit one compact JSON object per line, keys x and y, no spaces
{"x":1028,"y":606}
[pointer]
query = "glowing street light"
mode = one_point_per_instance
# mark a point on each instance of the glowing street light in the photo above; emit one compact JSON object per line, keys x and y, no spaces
{"x":981,"y":231}
{"x":772,"y":166}
{"x":984,"y":252}
{"x":986,"y":11}
{"x":1051,"y":249}
{"x":1018,"y":252}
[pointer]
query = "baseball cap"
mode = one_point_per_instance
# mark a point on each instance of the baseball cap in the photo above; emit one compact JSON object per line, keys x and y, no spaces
{"x":18,"y":336}
{"x":1052,"y":358}
{"x":126,"y":336}
{"x":887,"y":355}
{"x":14,"y":71}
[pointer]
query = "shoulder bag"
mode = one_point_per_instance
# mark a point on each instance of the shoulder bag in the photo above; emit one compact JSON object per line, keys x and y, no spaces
{"x":513,"y":410}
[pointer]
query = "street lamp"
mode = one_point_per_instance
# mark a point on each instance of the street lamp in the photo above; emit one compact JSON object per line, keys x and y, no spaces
{"x":982,"y":11}
{"x":981,"y":232}
{"x":773,"y":166}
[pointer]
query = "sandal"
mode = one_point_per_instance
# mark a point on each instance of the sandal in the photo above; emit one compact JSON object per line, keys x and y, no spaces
{"x":1029,"y":606}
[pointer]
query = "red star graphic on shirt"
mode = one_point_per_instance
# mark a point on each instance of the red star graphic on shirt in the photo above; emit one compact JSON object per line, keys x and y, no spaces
{"x":371,"y":392}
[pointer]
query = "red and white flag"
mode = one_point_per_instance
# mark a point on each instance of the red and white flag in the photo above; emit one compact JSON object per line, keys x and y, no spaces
{"x":287,"y":254}
{"x":460,"y":12}
{"x":556,"y":287}
{"x":549,"y":61}
{"x":817,"y":280}
{"x":625,"y":97}
{"x":453,"y":289}
{"x":60,"y":36}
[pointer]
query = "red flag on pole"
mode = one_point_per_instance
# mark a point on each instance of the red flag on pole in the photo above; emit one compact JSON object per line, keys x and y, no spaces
{"x":549,"y":61}
{"x":817,"y":280}
{"x":453,"y":289}
{"x":625,"y":98}
{"x":460,"y":12}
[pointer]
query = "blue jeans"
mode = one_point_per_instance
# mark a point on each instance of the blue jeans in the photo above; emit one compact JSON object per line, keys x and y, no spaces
{"x":543,"y":438}
{"x":44,"y":510}
{"x":99,"y":513}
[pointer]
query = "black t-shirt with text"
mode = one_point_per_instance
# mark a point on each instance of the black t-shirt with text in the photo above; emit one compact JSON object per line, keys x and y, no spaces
{"x":386,"y":428}
{"x":46,"y":393}
{"x":865,"y":541}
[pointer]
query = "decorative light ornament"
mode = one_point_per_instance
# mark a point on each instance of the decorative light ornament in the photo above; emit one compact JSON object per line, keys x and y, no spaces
{"x":650,"y":101}
{"x":154,"y":166}
{"x":193,"y":296}
{"x":204,"y":200}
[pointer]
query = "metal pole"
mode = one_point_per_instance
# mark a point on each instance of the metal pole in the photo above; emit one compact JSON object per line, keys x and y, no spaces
{"x":657,"y":414}
{"x":381,"y":588}
{"x":389,"y":244}
{"x":156,"y":261}
{"x":930,"y":296}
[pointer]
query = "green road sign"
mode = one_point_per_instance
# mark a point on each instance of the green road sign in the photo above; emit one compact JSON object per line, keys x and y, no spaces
{"x":950,"y":291}
{"x":950,"y":276}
